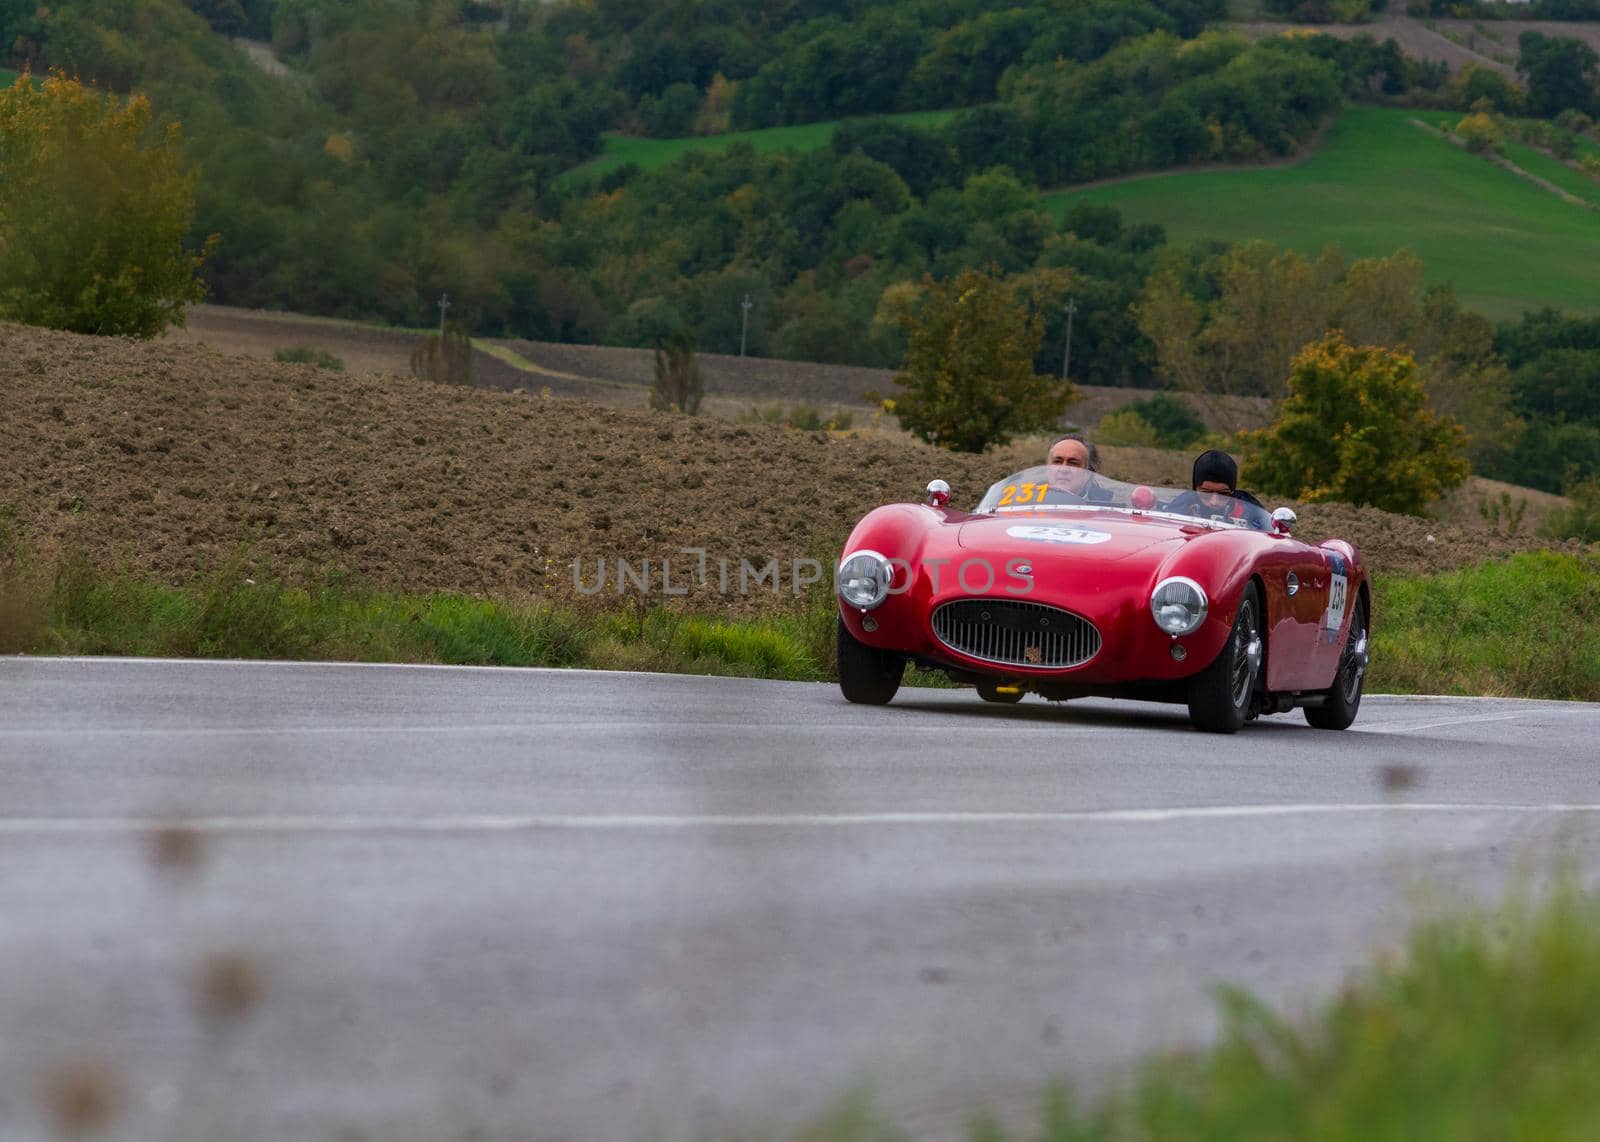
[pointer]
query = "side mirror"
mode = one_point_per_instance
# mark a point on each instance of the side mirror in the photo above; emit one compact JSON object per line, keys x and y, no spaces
{"x":1283,"y":521}
{"x":938,"y":493}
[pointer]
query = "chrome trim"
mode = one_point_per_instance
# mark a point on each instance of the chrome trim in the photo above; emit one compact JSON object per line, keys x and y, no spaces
{"x":1005,"y":631}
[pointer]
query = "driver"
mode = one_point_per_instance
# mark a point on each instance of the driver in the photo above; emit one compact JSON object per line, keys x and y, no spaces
{"x":1073,"y":461}
{"x":1216,"y":493}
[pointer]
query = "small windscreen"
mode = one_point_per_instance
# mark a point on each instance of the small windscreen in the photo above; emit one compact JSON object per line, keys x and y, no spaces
{"x":1064,"y":488}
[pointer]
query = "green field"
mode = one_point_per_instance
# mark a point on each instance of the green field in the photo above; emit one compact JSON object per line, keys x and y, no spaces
{"x":7,"y":78}
{"x":1379,"y":183}
{"x":619,"y":150}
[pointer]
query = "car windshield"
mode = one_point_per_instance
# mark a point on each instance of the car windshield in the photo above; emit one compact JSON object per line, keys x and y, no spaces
{"x":1063,"y":488}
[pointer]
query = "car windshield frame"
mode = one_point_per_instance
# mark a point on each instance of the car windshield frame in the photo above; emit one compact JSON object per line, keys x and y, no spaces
{"x":1053,"y":488}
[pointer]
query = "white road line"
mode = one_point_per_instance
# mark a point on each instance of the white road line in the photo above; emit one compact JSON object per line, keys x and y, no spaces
{"x":1413,"y":727}
{"x":642,"y":725}
{"x":489,"y":823}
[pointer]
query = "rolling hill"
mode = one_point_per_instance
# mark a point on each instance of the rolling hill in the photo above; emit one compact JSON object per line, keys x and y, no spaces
{"x":1378,"y":183}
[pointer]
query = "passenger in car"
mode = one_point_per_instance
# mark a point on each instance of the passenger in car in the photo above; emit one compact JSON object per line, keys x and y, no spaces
{"x":1215,"y":489}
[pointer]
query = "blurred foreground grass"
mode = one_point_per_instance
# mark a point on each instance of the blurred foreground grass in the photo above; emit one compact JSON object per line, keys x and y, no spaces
{"x":1486,"y":1027}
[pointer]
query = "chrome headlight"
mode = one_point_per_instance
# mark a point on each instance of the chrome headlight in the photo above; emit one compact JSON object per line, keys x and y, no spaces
{"x":1178,"y":605}
{"x":864,"y":579}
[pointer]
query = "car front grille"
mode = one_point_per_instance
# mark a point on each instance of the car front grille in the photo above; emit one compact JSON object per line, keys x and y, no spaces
{"x":1016,"y":633}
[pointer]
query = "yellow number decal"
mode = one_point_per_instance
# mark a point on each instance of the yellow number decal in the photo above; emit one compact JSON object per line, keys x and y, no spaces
{"x":1043,"y":488}
{"x":1025,"y":495}
{"x":1005,"y":496}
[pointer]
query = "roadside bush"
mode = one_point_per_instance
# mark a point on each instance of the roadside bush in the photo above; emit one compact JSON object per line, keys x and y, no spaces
{"x":305,"y":355}
{"x":968,"y":370}
{"x":678,"y":387}
{"x":1356,"y":428}
{"x":445,"y":357}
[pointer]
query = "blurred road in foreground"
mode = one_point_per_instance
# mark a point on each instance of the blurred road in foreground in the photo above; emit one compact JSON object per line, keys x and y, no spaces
{"x":428,"y":903}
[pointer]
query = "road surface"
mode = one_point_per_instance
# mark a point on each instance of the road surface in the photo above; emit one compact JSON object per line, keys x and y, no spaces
{"x":260,"y":901}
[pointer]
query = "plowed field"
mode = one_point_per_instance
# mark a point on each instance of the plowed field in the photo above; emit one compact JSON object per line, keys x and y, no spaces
{"x":166,"y":458}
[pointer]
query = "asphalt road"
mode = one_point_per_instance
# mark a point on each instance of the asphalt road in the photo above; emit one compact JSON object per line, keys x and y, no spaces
{"x":437,"y":903}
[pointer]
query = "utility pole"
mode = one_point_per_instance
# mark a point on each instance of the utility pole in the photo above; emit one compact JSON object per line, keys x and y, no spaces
{"x":443,"y":304}
{"x":1066,"y":355}
{"x":744,"y":326}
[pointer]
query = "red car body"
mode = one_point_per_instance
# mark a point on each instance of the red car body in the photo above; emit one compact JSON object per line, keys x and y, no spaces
{"x":1052,"y":594}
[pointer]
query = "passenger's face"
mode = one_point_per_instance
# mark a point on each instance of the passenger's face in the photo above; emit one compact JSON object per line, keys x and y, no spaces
{"x":1069,"y":464}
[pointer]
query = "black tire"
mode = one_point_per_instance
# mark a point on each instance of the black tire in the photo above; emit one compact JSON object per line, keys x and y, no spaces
{"x":1220,"y":695}
{"x":987,"y":691}
{"x":866,"y":674}
{"x":1344,"y":699}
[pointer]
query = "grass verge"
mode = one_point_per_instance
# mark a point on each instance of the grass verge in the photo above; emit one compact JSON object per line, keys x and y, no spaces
{"x":1527,"y":626}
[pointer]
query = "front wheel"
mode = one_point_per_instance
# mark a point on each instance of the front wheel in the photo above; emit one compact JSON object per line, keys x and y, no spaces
{"x":866,"y":674}
{"x":1344,"y":699}
{"x":1219,"y":696}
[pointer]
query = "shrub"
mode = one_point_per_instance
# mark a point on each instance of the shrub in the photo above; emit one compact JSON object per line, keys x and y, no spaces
{"x":1175,"y":423}
{"x":1581,"y":520}
{"x":1356,"y":428}
{"x":1480,"y":133}
{"x":305,"y":355}
{"x":94,"y":206}
{"x":1127,"y":427}
{"x":445,"y":357}
{"x":678,"y":386}
{"x":968,"y":370}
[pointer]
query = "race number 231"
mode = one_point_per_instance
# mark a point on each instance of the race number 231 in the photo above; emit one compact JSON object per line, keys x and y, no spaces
{"x":1022,"y":494}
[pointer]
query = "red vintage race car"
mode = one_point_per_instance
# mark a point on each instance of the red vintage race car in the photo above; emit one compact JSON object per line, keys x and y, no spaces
{"x":1067,"y":584}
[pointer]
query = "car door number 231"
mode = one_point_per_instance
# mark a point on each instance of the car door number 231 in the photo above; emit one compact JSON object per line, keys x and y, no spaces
{"x":1338,"y":594}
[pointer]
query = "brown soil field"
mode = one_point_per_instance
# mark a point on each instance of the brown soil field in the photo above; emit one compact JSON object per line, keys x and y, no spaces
{"x":164,"y":458}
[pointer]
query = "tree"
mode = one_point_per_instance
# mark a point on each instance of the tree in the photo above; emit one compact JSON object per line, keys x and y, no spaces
{"x":446,"y":357}
{"x":1356,"y":428}
{"x":1560,"y":71}
{"x":678,"y":386}
{"x":968,"y":370}
{"x":93,"y":212}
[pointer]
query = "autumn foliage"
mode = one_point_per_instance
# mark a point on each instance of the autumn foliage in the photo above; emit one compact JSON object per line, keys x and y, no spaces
{"x":94,"y":205}
{"x":968,"y":371}
{"x":1356,"y":428}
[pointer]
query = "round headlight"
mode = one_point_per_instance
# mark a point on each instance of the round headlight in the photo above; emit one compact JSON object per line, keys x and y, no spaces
{"x":1178,"y":605}
{"x":864,"y":579}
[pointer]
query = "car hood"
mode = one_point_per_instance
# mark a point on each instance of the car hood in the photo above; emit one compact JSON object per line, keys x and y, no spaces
{"x":1071,"y":537}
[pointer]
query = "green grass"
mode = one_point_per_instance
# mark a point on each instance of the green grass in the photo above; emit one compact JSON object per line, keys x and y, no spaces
{"x":1527,"y":626}
{"x":1488,"y":1026}
{"x":232,"y":613}
{"x":1379,"y":183}
{"x":7,"y":77}
{"x":648,"y":154}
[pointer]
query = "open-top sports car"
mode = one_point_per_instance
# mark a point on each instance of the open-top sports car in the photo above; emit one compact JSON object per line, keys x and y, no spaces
{"x":1067,"y":584}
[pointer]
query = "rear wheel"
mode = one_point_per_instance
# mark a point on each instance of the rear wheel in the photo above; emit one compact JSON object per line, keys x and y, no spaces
{"x":866,"y":674}
{"x":1344,"y":699}
{"x":991,"y":692}
{"x":1219,"y":696}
